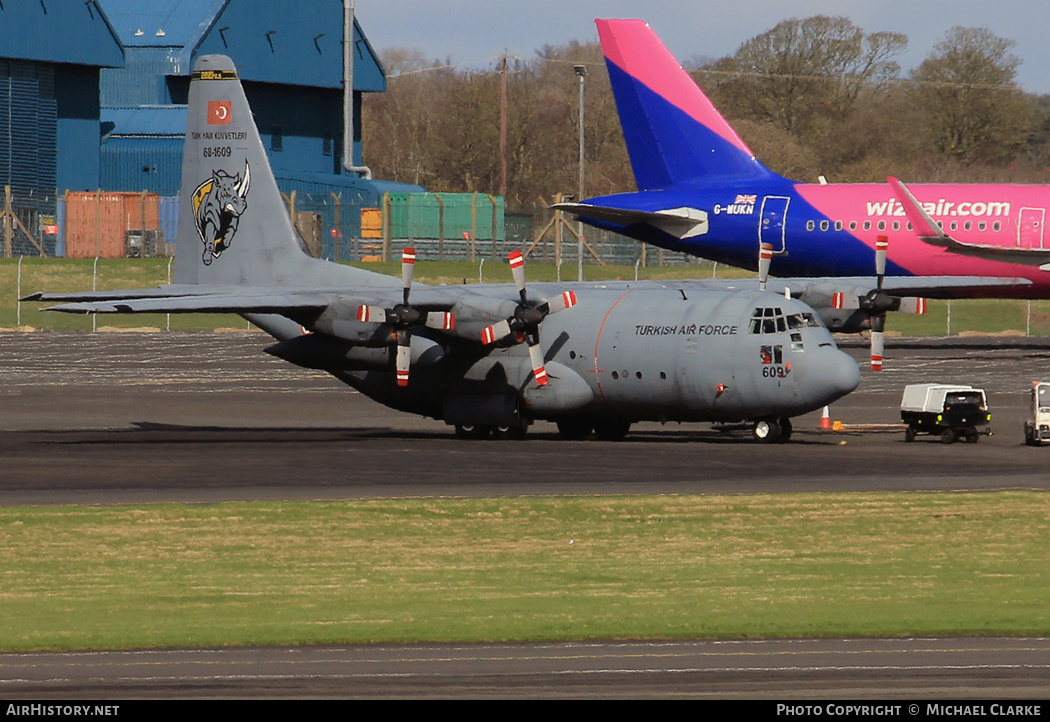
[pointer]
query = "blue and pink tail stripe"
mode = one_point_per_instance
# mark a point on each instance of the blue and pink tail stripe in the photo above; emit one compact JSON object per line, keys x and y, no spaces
{"x":674,"y":134}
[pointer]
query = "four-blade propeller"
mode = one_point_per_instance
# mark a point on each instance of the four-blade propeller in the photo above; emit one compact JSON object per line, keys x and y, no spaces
{"x":404,"y":316}
{"x":524,"y":324}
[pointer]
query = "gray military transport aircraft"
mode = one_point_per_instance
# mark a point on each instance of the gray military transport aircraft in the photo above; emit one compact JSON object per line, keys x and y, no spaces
{"x":489,"y":358}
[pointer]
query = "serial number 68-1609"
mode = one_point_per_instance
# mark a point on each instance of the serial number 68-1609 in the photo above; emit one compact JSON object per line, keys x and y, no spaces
{"x":218,"y":151}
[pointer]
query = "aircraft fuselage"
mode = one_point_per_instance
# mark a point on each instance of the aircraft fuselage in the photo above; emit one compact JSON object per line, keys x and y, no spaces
{"x":629,"y":351}
{"x":830,"y":230}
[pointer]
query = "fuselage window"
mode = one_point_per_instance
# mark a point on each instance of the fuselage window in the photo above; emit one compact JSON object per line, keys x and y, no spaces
{"x":882,"y":225}
{"x":996,"y":226}
{"x":967,"y":225}
{"x":896,"y":225}
{"x":838,"y":225}
{"x":981,"y":225}
{"x":824,"y":225}
{"x":954,"y":225}
{"x":867,"y":225}
{"x":853,"y":225}
{"x":810,"y":225}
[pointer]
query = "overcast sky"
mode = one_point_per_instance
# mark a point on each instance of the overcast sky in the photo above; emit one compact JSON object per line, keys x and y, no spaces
{"x":474,"y":31}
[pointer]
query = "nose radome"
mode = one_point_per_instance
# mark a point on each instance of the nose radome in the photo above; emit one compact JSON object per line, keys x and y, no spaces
{"x":844,"y":373}
{"x":836,"y":375}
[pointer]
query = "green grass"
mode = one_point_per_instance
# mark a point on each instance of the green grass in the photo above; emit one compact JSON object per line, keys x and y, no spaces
{"x":64,"y":274}
{"x":725,"y":566}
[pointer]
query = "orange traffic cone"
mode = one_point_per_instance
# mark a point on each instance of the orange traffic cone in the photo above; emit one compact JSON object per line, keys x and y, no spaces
{"x":825,"y":419}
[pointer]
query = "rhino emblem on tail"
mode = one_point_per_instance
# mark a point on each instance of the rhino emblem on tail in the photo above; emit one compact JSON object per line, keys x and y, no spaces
{"x":217,"y":206}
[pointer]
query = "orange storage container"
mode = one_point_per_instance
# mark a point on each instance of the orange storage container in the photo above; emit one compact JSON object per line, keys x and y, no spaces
{"x":97,"y":224}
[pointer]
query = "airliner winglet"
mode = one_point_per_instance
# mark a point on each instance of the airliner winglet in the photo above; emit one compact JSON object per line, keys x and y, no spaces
{"x":930,"y":232}
{"x":925,"y":227}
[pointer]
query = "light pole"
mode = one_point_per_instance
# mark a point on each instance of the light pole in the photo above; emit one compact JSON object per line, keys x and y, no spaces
{"x":581,"y":73}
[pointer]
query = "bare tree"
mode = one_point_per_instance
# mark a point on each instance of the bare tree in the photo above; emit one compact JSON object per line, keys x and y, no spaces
{"x":802,"y":73}
{"x":974,"y":109}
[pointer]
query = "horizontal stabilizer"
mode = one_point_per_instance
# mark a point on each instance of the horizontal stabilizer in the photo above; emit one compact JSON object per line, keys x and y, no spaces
{"x":679,"y":222}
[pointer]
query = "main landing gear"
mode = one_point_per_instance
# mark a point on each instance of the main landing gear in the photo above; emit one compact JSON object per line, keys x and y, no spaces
{"x":517,"y":430}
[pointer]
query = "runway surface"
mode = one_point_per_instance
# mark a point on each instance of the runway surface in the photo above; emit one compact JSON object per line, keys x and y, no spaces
{"x":86,"y":417}
{"x":108,"y":418}
{"x":883,"y":669}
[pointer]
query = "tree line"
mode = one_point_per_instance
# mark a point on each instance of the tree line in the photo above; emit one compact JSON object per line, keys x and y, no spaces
{"x":812,"y":97}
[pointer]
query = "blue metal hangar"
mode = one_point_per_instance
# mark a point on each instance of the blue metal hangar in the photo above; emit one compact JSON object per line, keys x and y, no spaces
{"x":51,"y":52}
{"x":289,"y":55}
{"x":93,"y":93}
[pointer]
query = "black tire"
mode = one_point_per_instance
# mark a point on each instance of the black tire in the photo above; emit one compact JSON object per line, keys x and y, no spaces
{"x":518,"y":430}
{"x":785,"y":430}
{"x":766,"y":431}
{"x":909,"y":434}
{"x":574,"y":429}
{"x":972,"y":436}
{"x":473,"y":431}
{"x":948,"y":436}
{"x":611,"y":429}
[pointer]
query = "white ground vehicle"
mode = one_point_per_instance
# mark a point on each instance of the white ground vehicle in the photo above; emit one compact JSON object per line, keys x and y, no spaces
{"x":948,"y":410}
{"x":1037,"y":425}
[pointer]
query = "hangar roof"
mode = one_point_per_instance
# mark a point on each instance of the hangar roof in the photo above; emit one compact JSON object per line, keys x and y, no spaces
{"x":295,"y":42}
{"x":58,"y":31}
{"x":178,"y":23}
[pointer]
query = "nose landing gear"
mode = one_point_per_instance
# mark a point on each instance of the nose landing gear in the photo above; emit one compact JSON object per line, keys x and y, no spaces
{"x":773,"y":430}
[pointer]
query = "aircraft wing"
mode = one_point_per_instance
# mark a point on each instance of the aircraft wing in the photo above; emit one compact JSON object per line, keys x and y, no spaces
{"x":679,"y":222}
{"x":231,"y":299}
{"x":812,"y":290}
{"x":930,"y":232}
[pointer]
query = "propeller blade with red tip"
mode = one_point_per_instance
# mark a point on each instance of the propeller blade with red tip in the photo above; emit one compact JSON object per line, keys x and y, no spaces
{"x":878,"y":345}
{"x":840,"y":300}
{"x":561,"y":302}
{"x":881,"y":245}
{"x":495,"y":332}
{"x":404,"y":357}
{"x":441,"y":320}
{"x":517,"y":269}
{"x":408,"y":265}
{"x":539,"y":370}
{"x":765,"y":260}
{"x":371,"y":314}
{"x":912,"y":304}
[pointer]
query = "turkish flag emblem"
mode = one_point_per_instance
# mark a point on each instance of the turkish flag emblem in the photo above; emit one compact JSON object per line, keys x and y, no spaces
{"x":219,"y":112}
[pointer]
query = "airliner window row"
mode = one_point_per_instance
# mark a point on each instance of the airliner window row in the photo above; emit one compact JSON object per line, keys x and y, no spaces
{"x":896,"y":225}
{"x":773,"y":320}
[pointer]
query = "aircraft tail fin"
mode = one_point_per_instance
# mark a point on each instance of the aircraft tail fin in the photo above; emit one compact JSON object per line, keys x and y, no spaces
{"x":673,"y":132}
{"x":234,"y":229}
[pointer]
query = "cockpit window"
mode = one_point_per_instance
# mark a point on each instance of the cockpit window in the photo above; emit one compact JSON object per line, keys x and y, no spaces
{"x":773,"y":320}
